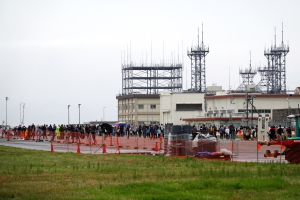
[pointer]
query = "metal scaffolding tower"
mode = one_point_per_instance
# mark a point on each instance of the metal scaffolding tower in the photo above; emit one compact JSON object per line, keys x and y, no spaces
{"x":151,"y":78}
{"x":262,"y":85}
{"x":247,"y":76}
{"x":274,"y":75}
{"x":197,"y":56}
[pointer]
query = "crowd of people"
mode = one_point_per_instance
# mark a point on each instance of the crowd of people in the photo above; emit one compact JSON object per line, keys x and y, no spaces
{"x":54,"y":132}
{"x":225,"y":132}
{"x":229,"y":132}
{"x":278,"y":132}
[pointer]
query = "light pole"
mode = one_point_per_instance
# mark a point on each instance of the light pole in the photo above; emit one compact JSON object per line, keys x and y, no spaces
{"x":6,"y":111}
{"x":20,"y":113}
{"x":68,"y":115}
{"x":103,"y":114}
{"x":79,"y":113}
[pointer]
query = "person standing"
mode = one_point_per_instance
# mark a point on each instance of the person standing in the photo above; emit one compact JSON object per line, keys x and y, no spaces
{"x":232,"y":132}
{"x":194,"y":132}
{"x":272,"y":133}
{"x":32,"y":131}
{"x":40,"y":133}
{"x":53,"y":132}
{"x":279,"y":133}
{"x":227,"y":132}
{"x":289,"y":132}
{"x":214,"y":130}
{"x":44,"y":132}
{"x":57,"y":132}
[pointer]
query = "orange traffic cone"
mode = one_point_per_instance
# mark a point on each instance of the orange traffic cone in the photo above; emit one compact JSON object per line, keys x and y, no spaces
{"x":231,"y":146}
{"x":52,"y":148}
{"x":104,"y":148}
{"x":78,"y":148}
{"x":156,"y":147}
{"x":8,"y":137}
{"x":282,"y":147}
{"x":258,"y":146}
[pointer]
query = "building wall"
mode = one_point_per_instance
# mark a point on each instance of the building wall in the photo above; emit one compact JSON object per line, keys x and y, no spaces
{"x":169,"y":113}
{"x":138,"y":110}
{"x":236,"y":103}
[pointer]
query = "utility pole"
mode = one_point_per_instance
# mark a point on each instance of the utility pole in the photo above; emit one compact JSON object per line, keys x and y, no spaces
{"x":6,"y":111}
{"x":23,"y":114}
{"x":79,"y":113}
{"x":20,"y":113}
{"x":103,"y":114}
{"x":68,"y":115}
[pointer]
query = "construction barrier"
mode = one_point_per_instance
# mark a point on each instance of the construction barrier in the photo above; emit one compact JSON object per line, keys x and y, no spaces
{"x":93,"y":143}
{"x":238,"y":150}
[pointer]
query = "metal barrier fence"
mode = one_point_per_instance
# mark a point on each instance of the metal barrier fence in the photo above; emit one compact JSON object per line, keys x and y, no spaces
{"x":232,"y":150}
{"x":229,"y":150}
{"x":90,"y":143}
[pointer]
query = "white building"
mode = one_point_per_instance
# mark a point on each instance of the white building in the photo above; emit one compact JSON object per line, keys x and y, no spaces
{"x":224,"y":108}
{"x":177,"y":106}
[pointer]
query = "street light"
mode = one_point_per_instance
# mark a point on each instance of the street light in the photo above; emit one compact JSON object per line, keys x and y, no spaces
{"x":103,"y":114}
{"x":79,"y":113}
{"x":20,"y":113}
{"x":6,"y":111}
{"x":68,"y":115}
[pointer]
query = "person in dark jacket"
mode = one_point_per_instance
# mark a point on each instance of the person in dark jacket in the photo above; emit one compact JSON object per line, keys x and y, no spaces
{"x":272,"y":133}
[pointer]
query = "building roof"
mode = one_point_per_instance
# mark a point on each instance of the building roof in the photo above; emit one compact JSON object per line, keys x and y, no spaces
{"x":128,"y":96}
{"x":256,"y":95}
{"x":217,"y":119}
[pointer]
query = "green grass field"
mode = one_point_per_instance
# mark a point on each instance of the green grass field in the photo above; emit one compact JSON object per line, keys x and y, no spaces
{"x":32,"y":174}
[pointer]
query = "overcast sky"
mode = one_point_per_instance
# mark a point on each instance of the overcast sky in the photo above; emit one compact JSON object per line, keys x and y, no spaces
{"x":59,"y":53}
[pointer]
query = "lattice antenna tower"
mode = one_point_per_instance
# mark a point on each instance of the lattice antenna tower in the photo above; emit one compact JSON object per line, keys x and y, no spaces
{"x":197,"y":55}
{"x":247,"y":76}
{"x":274,"y":74}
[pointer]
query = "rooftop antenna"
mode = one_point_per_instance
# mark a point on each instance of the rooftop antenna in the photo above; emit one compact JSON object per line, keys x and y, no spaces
{"x":202,"y":35}
{"x":130,"y":53}
{"x":229,"y":78}
{"x":198,"y":36}
{"x":282,"y":35}
{"x":250,"y":62}
{"x":163,"y":52}
{"x":142,"y":57}
{"x":182,"y":54}
{"x":275,"y":37}
{"x":151,"y":52}
{"x":178,"y":53}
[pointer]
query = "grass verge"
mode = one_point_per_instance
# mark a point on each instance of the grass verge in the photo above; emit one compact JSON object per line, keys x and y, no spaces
{"x":33,"y":174}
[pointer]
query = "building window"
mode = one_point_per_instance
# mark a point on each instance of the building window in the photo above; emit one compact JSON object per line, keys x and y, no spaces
{"x":152,"y":106}
{"x":188,"y":107}
{"x":141,"y":106}
{"x":259,"y":110}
